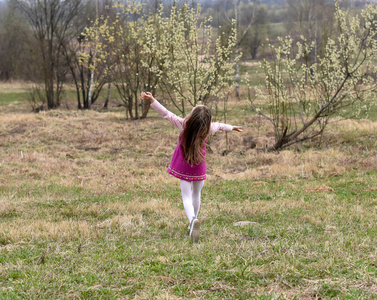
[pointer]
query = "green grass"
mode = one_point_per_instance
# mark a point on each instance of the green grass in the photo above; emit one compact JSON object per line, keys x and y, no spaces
{"x":13,"y":98}
{"x":371,"y":114}
{"x":19,"y":97}
{"x":333,"y":253}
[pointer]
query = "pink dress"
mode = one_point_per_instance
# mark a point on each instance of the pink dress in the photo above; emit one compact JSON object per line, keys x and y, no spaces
{"x":178,"y":166}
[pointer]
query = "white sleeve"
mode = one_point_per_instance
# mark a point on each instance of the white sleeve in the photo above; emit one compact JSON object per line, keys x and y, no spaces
{"x":215,"y":126}
{"x":172,"y":118}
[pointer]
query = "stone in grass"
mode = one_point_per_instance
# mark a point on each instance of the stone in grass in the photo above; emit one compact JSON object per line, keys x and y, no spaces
{"x":243,"y":223}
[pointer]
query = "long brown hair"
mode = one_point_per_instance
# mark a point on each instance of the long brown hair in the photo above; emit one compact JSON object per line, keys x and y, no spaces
{"x":195,"y":133}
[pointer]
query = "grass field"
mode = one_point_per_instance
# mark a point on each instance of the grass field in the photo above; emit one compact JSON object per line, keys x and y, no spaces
{"x":87,"y":210}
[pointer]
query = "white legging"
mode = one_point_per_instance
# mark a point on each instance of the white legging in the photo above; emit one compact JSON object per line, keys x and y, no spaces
{"x":191,"y":197}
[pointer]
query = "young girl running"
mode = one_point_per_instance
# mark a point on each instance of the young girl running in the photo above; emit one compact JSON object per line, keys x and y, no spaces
{"x":188,"y":161}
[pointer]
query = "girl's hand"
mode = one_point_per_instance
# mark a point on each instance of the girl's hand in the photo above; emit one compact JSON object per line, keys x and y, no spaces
{"x":147,"y":97}
{"x":237,"y":128}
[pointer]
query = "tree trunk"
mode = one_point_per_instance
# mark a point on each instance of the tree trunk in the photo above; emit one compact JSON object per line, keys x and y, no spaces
{"x":146,"y":106}
{"x":130,"y":108}
{"x":83,"y":91}
{"x":108,"y":96}
{"x":90,"y":92}
{"x":89,"y":106}
{"x":237,"y":77}
{"x":136,"y":106}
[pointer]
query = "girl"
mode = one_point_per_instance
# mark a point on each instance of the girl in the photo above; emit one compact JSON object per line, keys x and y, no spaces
{"x":188,"y":162}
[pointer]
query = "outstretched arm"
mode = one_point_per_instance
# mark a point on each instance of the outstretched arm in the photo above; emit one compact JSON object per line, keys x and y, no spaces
{"x":215,"y":126}
{"x":172,"y":118}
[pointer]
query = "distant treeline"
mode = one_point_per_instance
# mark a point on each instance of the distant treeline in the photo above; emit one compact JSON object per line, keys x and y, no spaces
{"x":20,"y":56}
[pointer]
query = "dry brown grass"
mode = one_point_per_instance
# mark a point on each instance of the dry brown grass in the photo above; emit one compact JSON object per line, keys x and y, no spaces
{"x":31,"y":229}
{"x":14,"y":86}
{"x":108,"y":153}
{"x":7,"y":207}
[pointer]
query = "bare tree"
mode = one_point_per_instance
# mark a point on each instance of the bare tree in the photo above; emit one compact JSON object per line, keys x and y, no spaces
{"x":258,"y":32}
{"x":314,"y":20}
{"x":15,"y":46}
{"x":50,"y":21}
{"x":244,"y":17}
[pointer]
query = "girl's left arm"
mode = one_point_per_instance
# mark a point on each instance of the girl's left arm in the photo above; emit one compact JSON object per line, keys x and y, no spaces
{"x":215,"y":126}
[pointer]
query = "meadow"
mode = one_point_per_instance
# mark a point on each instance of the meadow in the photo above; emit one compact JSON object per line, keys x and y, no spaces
{"x":87,"y":210}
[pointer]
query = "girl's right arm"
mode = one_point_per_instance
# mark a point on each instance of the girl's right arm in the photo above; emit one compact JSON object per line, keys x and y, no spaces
{"x":172,"y":118}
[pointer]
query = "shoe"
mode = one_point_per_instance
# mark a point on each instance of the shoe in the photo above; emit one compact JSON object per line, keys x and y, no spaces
{"x":194,"y":230}
{"x":192,"y":220}
{"x":189,"y":225}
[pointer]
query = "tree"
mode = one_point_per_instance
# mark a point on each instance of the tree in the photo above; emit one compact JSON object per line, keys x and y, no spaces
{"x":258,"y":31}
{"x":302,"y":95}
{"x":50,"y":21}
{"x":313,"y":19}
{"x":150,"y":51}
{"x":16,"y":47}
{"x":74,"y":45}
{"x":191,"y":68}
{"x":119,"y":44}
{"x":249,"y":20}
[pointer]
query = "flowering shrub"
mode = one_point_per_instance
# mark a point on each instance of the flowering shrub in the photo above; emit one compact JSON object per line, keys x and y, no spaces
{"x":301,"y":96}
